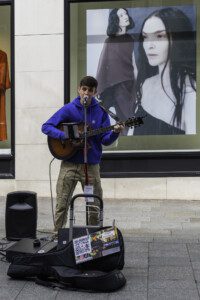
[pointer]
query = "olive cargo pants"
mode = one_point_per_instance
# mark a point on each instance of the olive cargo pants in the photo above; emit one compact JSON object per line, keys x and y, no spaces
{"x":69,"y":175}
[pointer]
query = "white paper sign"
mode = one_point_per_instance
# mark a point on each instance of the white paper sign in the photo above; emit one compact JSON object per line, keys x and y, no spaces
{"x":89,"y":189}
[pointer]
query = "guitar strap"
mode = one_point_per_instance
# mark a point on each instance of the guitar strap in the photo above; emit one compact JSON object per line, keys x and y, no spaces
{"x":114,"y":116}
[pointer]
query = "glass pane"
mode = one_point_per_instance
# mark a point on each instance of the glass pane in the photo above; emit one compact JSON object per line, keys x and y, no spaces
{"x":143,"y":54}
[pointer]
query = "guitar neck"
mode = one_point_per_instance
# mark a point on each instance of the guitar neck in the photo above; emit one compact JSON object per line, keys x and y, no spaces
{"x":97,"y":131}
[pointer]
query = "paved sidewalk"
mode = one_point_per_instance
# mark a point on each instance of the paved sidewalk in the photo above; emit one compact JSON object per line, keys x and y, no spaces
{"x":156,"y":267}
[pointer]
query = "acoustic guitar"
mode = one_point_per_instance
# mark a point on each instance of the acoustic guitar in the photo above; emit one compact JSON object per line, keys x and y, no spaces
{"x":67,"y":148}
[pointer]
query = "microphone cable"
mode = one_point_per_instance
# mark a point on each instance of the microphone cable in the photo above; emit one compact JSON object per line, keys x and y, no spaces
{"x":51,"y":192}
{"x":4,"y":244}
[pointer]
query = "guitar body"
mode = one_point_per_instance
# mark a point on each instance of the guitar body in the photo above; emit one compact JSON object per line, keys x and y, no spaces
{"x":66,"y":149}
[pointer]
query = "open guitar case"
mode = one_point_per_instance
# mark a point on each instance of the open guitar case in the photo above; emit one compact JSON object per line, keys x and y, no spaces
{"x":59,"y":268}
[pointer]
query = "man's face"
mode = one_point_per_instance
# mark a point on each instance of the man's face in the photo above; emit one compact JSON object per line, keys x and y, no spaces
{"x":88,"y":92}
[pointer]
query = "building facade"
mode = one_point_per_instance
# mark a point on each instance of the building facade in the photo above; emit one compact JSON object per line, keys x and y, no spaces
{"x":39,"y":91}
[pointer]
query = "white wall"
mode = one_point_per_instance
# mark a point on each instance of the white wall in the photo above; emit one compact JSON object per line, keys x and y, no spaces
{"x":39,"y":76}
{"x":39,"y":91}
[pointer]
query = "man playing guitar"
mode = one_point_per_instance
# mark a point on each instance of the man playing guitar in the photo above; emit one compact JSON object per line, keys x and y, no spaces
{"x":72,"y":168}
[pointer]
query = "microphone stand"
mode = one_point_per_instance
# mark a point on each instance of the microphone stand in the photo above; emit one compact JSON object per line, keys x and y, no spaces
{"x":85,"y":99}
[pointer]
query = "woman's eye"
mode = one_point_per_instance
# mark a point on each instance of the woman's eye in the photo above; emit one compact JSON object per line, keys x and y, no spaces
{"x":161,"y":36}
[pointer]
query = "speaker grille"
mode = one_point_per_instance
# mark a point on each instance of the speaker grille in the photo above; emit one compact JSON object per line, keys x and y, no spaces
{"x":21,"y":215}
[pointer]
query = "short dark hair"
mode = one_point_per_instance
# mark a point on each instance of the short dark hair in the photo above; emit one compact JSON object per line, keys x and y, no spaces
{"x":89,"y":81}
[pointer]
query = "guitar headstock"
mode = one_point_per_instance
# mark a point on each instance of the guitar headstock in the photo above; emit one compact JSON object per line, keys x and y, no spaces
{"x":134,"y":121}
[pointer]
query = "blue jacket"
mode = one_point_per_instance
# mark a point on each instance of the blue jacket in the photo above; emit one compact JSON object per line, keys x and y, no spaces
{"x":96,"y":118}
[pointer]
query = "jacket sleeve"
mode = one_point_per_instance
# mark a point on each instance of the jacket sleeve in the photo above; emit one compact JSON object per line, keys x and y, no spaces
{"x":109,"y":137}
{"x":50,"y":126}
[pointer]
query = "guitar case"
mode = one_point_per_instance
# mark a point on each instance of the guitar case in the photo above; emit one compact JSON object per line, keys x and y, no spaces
{"x":102,"y":274}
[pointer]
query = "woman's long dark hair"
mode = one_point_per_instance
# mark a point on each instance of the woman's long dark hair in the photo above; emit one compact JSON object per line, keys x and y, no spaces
{"x":113,"y":22}
{"x":181,"y":57}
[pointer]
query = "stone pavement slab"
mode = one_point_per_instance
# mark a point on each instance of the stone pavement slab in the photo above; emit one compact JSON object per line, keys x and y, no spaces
{"x":172,"y":290}
{"x":157,"y":267}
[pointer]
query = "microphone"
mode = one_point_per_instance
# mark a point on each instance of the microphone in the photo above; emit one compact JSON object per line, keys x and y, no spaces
{"x":85,"y":100}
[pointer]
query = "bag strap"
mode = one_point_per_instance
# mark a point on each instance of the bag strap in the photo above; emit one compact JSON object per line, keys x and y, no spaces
{"x":54,"y":284}
{"x":59,"y":285}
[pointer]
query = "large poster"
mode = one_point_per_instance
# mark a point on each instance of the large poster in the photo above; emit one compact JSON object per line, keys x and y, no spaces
{"x":5,"y":80}
{"x":145,"y":59}
{"x":151,"y":74}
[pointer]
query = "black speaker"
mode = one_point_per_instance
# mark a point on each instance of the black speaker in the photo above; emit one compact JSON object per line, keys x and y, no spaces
{"x":29,"y":246}
{"x":21,"y":215}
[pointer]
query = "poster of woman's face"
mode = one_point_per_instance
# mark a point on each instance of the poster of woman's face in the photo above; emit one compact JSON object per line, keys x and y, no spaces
{"x":5,"y":82}
{"x":144,"y":59}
